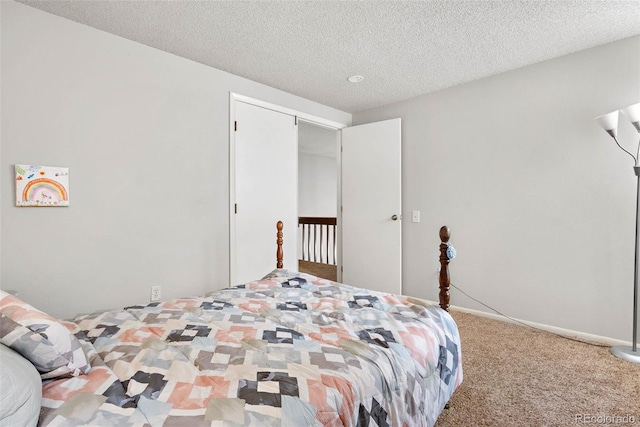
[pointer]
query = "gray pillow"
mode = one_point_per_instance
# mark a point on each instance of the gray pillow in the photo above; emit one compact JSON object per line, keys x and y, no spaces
{"x":20,"y":390}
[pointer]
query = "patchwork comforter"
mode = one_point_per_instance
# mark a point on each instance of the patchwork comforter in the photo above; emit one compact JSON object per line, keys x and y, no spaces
{"x":288,"y":350}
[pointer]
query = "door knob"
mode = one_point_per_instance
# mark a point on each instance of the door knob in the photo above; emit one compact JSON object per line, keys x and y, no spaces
{"x":394,"y":217}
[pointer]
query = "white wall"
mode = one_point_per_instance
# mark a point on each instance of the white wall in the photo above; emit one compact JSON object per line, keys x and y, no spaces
{"x":539,"y":200}
{"x":317,"y":170}
{"x":145,"y":135}
{"x":318,"y":184}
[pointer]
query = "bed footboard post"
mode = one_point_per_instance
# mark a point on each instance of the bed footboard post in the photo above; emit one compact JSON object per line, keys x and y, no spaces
{"x":444,"y":278}
{"x":279,"y":254}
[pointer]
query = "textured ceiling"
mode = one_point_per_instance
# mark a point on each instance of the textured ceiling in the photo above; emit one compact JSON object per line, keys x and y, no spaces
{"x":402,"y":48}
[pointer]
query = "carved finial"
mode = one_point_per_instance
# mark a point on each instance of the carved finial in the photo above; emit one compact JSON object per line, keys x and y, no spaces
{"x":279,"y":254}
{"x":445,"y":235}
{"x":444,"y":278}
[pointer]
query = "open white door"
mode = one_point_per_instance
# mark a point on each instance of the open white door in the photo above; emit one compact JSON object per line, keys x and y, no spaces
{"x":372,"y":206}
{"x":265,"y":145}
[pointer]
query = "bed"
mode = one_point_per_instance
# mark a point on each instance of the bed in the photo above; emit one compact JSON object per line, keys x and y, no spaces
{"x":289,"y":349}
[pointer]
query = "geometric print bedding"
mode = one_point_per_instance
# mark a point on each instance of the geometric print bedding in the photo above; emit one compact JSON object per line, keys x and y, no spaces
{"x":288,"y":350}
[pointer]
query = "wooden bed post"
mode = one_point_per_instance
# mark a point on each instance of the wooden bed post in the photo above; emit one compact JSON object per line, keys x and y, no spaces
{"x":279,"y":254}
{"x":445,"y":280}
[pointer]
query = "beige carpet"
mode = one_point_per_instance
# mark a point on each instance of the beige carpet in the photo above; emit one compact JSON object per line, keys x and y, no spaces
{"x":516,"y":376}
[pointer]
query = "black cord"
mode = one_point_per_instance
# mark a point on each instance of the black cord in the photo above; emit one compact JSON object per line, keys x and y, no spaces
{"x":529,"y":326}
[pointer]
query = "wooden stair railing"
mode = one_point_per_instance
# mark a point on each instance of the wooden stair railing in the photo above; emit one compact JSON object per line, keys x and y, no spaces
{"x":318,"y":239}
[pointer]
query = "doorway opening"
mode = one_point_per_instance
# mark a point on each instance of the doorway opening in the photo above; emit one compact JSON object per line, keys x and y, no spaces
{"x":318,"y":200}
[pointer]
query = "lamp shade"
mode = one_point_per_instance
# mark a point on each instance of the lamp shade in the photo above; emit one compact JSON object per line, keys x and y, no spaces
{"x":609,"y":122}
{"x":632,"y":113}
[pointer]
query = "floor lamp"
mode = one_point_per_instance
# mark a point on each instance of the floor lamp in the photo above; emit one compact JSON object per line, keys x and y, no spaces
{"x":609,"y":122}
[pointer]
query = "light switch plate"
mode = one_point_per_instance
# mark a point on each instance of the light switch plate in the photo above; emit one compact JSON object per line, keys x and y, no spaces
{"x":415,"y":217}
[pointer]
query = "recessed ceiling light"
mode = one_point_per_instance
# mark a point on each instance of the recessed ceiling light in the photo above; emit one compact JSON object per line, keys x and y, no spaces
{"x":355,"y":79}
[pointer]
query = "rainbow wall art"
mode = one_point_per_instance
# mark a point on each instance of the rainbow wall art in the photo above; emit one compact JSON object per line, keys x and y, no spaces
{"x":42,"y":186}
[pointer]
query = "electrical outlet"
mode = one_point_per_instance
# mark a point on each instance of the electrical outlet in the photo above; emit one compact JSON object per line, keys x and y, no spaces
{"x":155,"y":293}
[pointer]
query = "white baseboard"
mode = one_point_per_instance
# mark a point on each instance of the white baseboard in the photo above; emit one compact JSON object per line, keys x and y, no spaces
{"x":554,"y":329}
